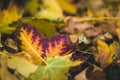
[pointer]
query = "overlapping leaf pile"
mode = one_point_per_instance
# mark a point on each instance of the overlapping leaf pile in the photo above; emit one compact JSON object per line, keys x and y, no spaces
{"x":51,"y":55}
{"x":59,"y":40}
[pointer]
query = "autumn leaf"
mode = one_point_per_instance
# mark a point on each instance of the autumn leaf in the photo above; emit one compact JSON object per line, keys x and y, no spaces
{"x":7,"y":17}
{"x":5,"y":28}
{"x":30,"y":8}
{"x":10,"y":15}
{"x":4,"y":73}
{"x":57,"y":69}
{"x":20,"y":63}
{"x":105,"y":53}
{"x":118,"y":32}
{"x":39,"y":47}
{"x":67,"y":6}
{"x":48,"y":11}
{"x":48,"y":27}
{"x":91,"y":73}
{"x":52,"y":55}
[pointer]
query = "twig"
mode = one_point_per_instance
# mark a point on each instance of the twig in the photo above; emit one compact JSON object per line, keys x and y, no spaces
{"x":98,"y":19}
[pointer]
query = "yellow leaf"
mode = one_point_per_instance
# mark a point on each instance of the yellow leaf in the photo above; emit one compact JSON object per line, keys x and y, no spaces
{"x":90,"y":13}
{"x":118,"y":32}
{"x":67,"y":6}
{"x":118,"y":61}
{"x":30,"y":43}
{"x":105,"y":53}
{"x":9,"y":15}
{"x":118,"y":23}
{"x":50,"y":11}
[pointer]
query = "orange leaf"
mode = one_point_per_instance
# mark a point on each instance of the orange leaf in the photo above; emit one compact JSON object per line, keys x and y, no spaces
{"x":105,"y":53}
{"x":30,"y":42}
{"x":41,"y":48}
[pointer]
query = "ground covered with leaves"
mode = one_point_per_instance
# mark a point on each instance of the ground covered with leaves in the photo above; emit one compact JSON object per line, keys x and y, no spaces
{"x":59,"y":39}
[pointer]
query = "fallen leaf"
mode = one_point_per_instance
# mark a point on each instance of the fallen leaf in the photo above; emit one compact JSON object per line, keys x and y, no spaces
{"x":21,"y":65}
{"x":105,"y":53}
{"x":4,"y":73}
{"x":74,"y":27}
{"x":39,"y":47}
{"x":95,"y":73}
{"x":45,"y":26}
{"x":67,"y":6}
{"x":10,"y":15}
{"x":52,"y":55}
{"x":118,"y":61}
{"x":48,"y":11}
{"x":5,"y":28}
{"x":30,"y":8}
{"x":81,"y":75}
{"x":118,"y":32}
{"x":57,"y":69}
{"x":20,"y":62}
{"x":91,"y":73}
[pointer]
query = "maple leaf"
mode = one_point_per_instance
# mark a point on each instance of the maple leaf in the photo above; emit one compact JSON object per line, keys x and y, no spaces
{"x":40,"y":48}
{"x":105,"y":53}
{"x":52,"y":55}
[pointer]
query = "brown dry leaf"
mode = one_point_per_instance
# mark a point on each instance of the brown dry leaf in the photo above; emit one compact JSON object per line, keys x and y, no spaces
{"x":105,"y":53}
{"x":91,"y":73}
{"x":103,"y":37}
{"x":95,"y":73}
{"x":81,"y":75}
{"x":77,"y":27}
{"x":93,"y":32}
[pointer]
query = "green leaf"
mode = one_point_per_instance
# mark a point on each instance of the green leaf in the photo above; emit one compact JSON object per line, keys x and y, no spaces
{"x":5,"y":28}
{"x":46,"y":27}
{"x":30,"y":8}
{"x":57,"y":69}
